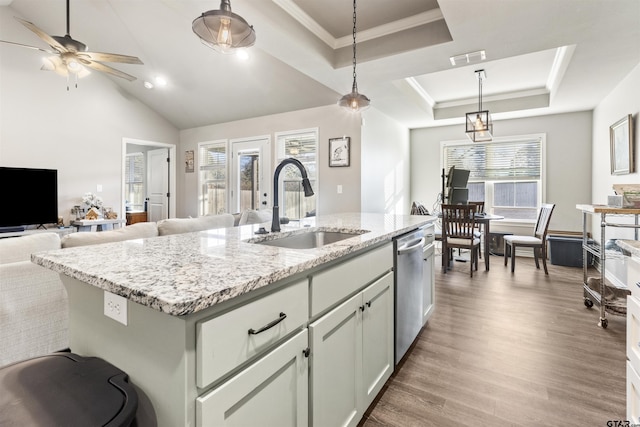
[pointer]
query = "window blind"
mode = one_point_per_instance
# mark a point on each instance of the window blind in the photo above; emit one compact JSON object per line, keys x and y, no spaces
{"x":495,"y":161}
{"x":134,"y":172}
{"x":213,"y":161}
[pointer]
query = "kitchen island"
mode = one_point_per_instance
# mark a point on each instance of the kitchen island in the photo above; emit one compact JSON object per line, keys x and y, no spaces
{"x":201,"y":338}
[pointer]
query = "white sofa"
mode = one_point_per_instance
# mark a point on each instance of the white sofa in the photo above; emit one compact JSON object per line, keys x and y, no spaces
{"x":33,"y":301}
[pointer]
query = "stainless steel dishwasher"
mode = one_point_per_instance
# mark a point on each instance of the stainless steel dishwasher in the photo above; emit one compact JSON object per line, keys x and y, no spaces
{"x":408,"y":265}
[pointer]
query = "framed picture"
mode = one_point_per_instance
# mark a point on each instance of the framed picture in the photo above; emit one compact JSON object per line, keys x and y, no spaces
{"x":339,"y":151}
{"x":189,"y":161}
{"x":621,"y":136}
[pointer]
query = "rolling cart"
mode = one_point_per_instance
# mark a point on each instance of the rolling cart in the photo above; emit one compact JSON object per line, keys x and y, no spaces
{"x":597,"y":295}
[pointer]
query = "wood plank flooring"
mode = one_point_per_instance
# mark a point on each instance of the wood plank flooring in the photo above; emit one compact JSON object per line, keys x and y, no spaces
{"x":509,"y":350}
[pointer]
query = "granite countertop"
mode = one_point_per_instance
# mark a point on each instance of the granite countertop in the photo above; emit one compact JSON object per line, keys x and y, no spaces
{"x":184,"y":273}
{"x":633,"y":246}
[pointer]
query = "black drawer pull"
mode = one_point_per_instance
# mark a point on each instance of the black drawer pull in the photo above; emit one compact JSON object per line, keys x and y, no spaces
{"x":268,"y":325}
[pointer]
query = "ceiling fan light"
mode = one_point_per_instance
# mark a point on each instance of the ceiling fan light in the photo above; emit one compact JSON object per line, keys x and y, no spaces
{"x":223,"y":30}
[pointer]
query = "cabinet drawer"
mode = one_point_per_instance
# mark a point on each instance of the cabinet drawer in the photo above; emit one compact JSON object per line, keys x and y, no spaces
{"x":224,"y":342}
{"x":633,"y":332}
{"x":633,"y":395}
{"x":274,"y":391}
{"x":333,"y":285}
{"x":633,"y":276}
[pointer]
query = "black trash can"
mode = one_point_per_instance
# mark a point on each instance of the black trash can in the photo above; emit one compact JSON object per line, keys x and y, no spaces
{"x":64,"y":389}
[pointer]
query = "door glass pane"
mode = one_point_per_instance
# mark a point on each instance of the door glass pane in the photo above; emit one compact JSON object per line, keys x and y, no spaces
{"x":212,"y":160}
{"x":249,"y":180}
{"x":302,"y":146}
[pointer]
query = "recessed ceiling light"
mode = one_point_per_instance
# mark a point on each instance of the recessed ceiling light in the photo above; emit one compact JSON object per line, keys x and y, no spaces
{"x":148,"y":85}
{"x":468,"y":58}
{"x":161,"y":81}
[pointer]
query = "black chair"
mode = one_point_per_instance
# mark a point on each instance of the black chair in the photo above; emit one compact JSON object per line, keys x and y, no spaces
{"x":458,"y":226}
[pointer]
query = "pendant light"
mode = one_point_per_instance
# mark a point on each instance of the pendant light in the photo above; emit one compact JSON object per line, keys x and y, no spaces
{"x":479,"y":124}
{"x":223,"y":30}
{"x":354,"y":101}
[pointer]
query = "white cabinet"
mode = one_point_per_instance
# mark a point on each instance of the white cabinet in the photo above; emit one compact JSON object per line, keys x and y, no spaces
{"x":429,"y":279}
{"x":633,"y":341}
{"x":271,"y":392}
{"x":226,"y":341}
{"x":352,"y":355}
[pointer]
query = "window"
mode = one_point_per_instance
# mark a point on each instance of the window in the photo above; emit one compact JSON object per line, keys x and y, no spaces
{"x":134,"y":174}
{"x":212,"y":169}
{"x":507,"y":173}
{"x":303,"y":146}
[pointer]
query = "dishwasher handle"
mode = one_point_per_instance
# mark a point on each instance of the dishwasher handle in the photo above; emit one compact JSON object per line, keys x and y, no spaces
{"x":411,"y":246}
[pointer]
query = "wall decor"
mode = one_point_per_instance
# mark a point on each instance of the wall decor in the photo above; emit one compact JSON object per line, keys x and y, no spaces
{"x":188,"y":164}
{"x":622,"y":150}
{"x":339,"y":151}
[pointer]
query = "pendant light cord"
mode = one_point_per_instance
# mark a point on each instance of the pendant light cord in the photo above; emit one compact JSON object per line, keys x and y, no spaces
{"x":479,"y":91}
{"x":355,"y":85}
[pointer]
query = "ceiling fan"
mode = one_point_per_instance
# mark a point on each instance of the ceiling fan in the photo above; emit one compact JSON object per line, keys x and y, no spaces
{"x":71,"y":56}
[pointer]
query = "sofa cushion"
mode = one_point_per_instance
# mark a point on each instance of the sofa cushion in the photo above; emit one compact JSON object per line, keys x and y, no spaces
{"x":33,"y":311}
{"x":255,"y":217}
{"x":15,"y":249}
{"x":186,"y":225}
{"x":138,"y":230}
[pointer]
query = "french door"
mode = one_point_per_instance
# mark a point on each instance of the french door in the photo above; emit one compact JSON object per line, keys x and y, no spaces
{"x":250,"y":174}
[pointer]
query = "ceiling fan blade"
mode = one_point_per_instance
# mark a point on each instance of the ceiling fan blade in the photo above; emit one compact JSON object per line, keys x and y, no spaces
{"x":44,"y":36}
{"x":109,"y":70}
{"x":111,"y":57}
{"x":27,"y":46}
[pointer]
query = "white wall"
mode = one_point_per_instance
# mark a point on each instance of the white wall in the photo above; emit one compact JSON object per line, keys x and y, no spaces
{"x":79,"y":132}
{"x":623,"y":100}
{"x":385,"y":179}
{"x":568,"y":160}
{"x":331,"y":121}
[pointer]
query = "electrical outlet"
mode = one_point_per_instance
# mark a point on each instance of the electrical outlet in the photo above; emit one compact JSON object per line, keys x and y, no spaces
{"x":99,"y":188}
{"x":115,"y":307}
{"x":339,"y":189}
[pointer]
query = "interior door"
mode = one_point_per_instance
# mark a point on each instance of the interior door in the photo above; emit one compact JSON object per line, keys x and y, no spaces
{"x":157,"y":184}
{"x":251,"y":174}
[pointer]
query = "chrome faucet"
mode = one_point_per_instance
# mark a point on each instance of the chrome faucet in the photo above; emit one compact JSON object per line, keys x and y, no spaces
{"x":306,"y":185}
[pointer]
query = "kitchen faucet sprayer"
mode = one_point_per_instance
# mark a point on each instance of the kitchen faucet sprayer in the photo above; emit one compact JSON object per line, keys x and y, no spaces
{"x":306,"y":185}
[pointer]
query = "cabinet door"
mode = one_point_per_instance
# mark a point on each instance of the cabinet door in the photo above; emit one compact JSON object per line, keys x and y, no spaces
{"x":336,"y":366}
{"x":377,"y":337}
{"x":429,"y":281}
{"x":271,"y":392}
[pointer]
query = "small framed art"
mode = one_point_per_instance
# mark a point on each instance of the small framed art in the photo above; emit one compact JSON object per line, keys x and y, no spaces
{"x":621,"y":136}
{"x":339,"y":151}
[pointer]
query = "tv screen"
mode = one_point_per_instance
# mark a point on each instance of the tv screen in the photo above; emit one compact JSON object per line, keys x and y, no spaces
{"x":457,"y":178}
{"x":29,"y":196}
{"x":458,"y":196}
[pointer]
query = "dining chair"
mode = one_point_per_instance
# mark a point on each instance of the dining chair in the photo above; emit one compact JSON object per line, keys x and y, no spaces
{"x":479,"y":210}
{"x":458,"y":224}
{"x":538,"y":241}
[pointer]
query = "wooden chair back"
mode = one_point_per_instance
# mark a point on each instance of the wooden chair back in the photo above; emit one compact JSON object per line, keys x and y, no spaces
{"x":542,"y":225}
{"x":458,"y":221}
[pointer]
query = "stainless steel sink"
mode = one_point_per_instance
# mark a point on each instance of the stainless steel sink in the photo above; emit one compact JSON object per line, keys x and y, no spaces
{"x":310,"y":239}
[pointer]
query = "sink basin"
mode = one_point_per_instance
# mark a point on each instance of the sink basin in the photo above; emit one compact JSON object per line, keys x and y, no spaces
{"x":310,"y":239}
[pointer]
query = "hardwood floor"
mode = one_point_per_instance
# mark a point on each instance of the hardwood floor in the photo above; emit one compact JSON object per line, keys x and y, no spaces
{"x":503,"y":349}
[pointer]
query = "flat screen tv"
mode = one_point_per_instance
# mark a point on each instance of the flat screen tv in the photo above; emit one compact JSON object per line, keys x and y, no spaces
{"x":457,"y":178}
{"x":29,"y":197}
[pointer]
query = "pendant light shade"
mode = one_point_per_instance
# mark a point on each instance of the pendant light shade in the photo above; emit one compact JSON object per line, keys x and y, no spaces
{"x":479,"y":126}
{"x":354,"y":101}
{"x":223,"y":30}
